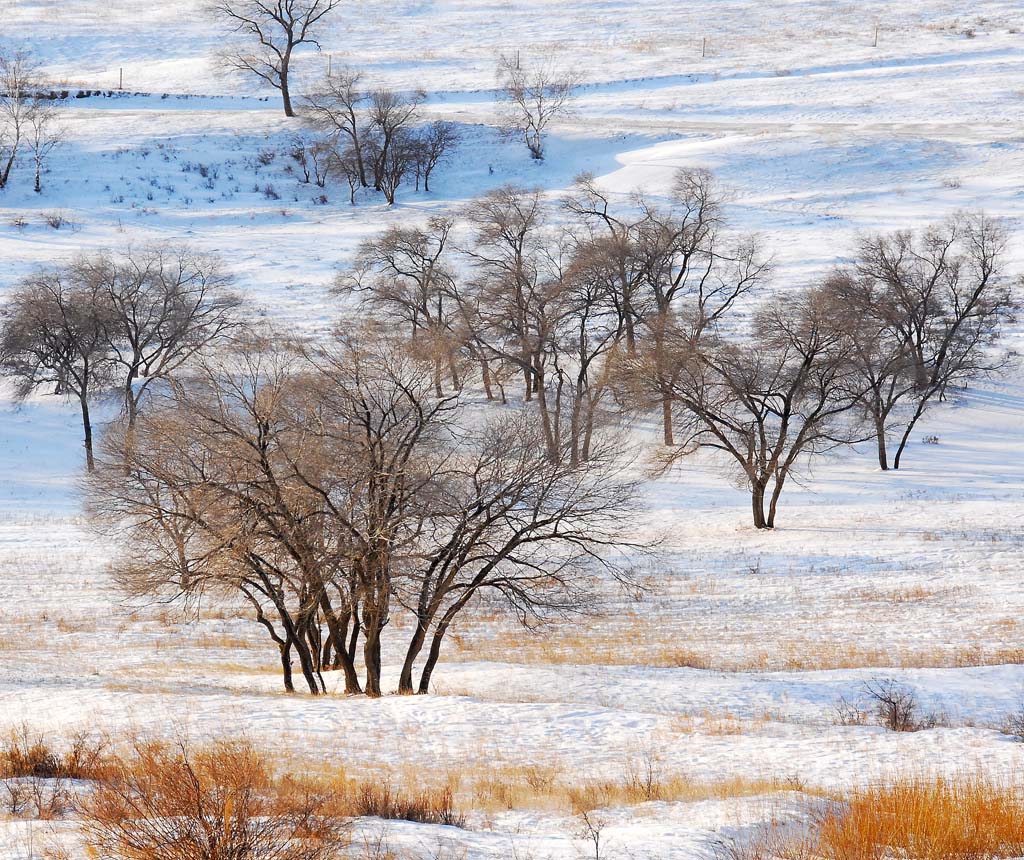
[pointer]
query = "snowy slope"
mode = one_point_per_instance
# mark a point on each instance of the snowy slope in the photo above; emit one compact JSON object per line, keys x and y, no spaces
{"x":818,"y":135}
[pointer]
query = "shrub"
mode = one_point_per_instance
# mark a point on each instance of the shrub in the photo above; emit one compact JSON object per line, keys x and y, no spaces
{"x":897,"y":706}
{"x":1013,"y":724}
{"x":26,"y":754}
{"x":170,"y":803}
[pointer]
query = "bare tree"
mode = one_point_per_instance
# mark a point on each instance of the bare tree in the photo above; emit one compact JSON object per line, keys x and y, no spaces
{"x":271,"y":32}
{"x":203,"y":497}
{"x":433,"y":145}
{"x":348,"y":165}
{"x":330,"y":487}
{"x":938,"y":301}
{"x":163,"y":305}
{"x":404,"y":273}
{"x":391,"y":116}
{"x":511,"y":304}
{"x":511,"y":521}
{"x":531,"y":97}
{"x":18,"y":103}
{"x":52,"y":333}
{"x":337,"y":107}
{"x":770,"y":402}
{"x":44,"y":134}
{"x":393,"y":159}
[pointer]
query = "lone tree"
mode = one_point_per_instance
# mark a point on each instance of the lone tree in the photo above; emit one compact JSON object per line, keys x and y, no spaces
{"x":531,"y":97}
{"x":271,"y":32}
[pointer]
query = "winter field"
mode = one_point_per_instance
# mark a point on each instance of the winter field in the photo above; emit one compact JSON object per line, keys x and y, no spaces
{"x":723,"y":679}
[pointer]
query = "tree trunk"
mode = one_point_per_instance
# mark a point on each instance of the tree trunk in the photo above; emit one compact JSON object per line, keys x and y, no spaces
{"x":757,"y":504}
{"x":371,"y":658}
{"x":432,"y":657}
{"x":415,"y":646}
{"x":545,"y":420}
{"x":883,"y":455}
{"x":285,"y":93}
{"x":344,"y":659}
{"x":90,"y":463}
{"x":485,"y":372}
{"x":285,"y":649}
{"x":298,"y":642}
{"x":776,"y":493}
{"x":666,"y":419}
{"x":906,"y":433}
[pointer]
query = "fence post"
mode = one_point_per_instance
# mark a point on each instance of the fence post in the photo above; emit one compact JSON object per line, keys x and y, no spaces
{"x":704,"y":47}
{"x":120,"y":79}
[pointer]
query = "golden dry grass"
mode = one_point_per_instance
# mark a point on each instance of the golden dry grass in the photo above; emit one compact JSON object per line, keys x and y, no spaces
{"x":651,"y":641}
{"x":967,"y":818}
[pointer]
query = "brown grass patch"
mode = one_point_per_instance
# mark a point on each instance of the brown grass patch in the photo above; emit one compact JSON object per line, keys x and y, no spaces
{"x":649,"y":641}
{"x":972,"y":817}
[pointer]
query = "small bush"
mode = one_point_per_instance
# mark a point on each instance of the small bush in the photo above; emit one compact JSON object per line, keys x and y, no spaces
{"x":170,"y":803}
{"x":1013,"y":724}
{"x":896,"y":705}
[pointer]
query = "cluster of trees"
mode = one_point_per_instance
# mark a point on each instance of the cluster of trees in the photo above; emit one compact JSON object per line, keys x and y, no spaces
{"x":331,"y":487}
{"x":605,"y":313}
{"x":123,"y":322}
{"x":334,"y":485}
{"x":376,"y":128}
{"x":371,"y":138}
{"x":29,"y":128}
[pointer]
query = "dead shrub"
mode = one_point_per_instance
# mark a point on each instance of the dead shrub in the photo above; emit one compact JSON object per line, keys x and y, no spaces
{"x":897,"y":706}
{"x":166,"y":802}
{"x":426,"y":806}
{"x":26,"y":753}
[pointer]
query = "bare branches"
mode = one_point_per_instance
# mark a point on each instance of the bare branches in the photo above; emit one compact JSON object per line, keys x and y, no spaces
{"x":925,"y":311}
{"x":533,"y":96}
{"x":270,"y":33}
{"x":323,"y":484}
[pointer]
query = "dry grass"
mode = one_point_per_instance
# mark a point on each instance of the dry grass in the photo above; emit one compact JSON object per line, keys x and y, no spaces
{"x":971,"y":817}
{"x":24,"y":753}
{"x":929,"y":819}
{"x":553,"y":789}
{"x":650,"y":641}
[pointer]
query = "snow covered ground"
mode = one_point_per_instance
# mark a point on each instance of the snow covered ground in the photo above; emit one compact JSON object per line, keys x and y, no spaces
{"x":744,"y":642}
